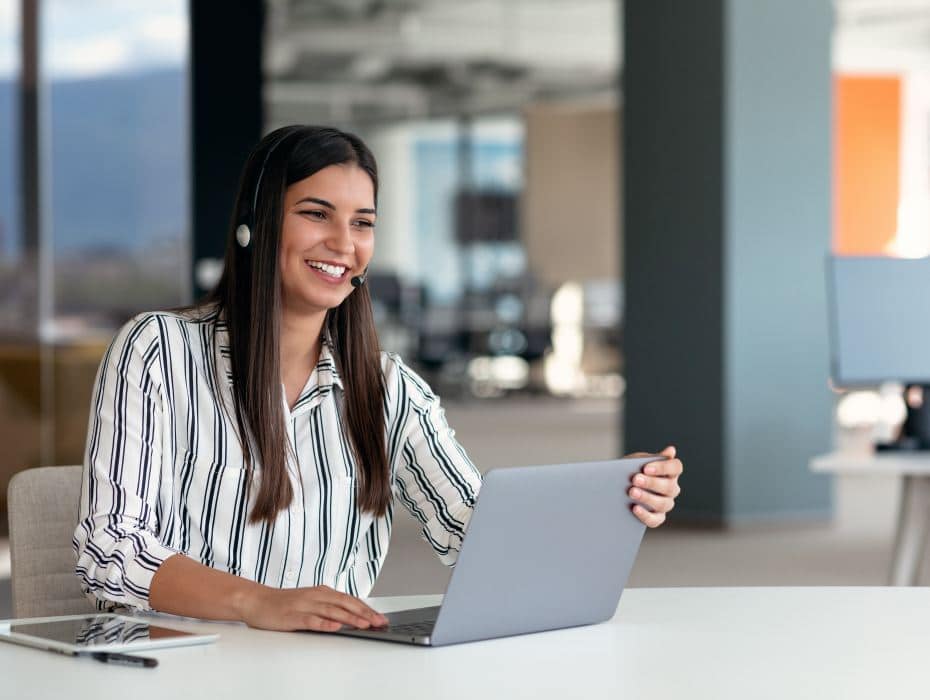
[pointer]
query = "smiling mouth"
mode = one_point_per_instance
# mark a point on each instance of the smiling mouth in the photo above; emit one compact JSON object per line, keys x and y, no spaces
{"x":334,"y":272}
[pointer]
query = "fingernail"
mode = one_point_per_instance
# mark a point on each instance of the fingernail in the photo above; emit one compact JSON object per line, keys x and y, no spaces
{"x":650,"y":470}
{"x":639,"y":479}
{"x":636,"y":493}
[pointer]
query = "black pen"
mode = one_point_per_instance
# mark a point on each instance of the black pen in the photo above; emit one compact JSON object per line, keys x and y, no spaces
{"x":112,"y":657}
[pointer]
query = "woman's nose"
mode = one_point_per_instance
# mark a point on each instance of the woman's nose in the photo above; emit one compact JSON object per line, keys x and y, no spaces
{"x":341,"y":240}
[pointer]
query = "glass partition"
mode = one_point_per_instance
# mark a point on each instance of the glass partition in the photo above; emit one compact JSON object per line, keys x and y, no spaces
{"x":93,"y":203}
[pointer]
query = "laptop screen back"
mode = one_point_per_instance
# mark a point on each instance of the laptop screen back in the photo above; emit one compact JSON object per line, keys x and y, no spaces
{"x":547,"y":547}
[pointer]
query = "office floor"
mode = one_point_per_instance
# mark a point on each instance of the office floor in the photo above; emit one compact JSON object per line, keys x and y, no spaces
{"x":854,"y":549}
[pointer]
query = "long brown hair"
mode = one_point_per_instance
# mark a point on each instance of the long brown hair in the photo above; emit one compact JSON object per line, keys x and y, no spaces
{"x":248,"y":296}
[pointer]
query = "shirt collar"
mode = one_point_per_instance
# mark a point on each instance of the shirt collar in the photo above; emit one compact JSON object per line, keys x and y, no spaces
{"x":319,"y":384}
{"x":326,"y":365}
{"x":321,"y":381}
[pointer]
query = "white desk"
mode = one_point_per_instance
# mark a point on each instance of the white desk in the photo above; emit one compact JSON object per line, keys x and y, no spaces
{"x":714,"y":643}
{"x":914,"y":508}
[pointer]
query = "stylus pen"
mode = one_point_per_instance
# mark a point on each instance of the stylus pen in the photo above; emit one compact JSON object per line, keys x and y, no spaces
{"x":112,"y":657}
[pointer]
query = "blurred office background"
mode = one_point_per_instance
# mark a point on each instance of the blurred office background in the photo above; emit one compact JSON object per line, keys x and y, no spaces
{"x":602,"y":226}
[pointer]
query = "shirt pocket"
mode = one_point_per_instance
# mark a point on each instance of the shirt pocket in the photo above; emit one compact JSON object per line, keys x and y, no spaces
{"x":213,"y":494}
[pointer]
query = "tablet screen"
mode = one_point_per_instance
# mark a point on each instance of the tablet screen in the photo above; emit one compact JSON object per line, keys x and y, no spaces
{"x":96,"y":630}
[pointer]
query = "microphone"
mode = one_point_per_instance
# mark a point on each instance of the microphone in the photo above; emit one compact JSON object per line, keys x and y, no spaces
{"x":359,"y":280}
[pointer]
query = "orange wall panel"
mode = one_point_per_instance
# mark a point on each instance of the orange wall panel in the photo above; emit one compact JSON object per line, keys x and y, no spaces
{"x":866,"y":163}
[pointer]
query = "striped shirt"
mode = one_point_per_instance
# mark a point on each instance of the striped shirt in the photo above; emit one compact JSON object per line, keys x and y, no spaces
{"x":164,"y":471}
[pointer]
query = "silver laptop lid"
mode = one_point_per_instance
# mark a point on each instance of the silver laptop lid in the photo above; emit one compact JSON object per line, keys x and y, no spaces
{"x":547,"y":547}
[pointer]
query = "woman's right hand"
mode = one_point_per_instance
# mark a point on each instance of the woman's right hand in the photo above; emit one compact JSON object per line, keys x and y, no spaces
{"x":321,"y":609}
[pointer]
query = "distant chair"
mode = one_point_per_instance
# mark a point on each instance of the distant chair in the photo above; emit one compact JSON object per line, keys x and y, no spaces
{"x":43,"y":507}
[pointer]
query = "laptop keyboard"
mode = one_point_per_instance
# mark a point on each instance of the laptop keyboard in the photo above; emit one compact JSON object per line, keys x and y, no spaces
{"x":414,"y":628}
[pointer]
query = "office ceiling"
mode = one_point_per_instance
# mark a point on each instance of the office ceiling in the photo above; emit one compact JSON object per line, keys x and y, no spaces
{"x":373,"y":61}
{"x":882,"y":36}
{"x":360,"y":62}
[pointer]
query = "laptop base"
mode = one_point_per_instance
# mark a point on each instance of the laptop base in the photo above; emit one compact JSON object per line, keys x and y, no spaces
{"x":404,"y":626}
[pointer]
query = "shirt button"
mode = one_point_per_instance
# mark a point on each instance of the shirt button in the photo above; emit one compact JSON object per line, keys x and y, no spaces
{"x":290,"y":576}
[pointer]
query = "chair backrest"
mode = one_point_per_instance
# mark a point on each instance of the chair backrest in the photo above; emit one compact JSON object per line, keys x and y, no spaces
{"x":43,"y":508}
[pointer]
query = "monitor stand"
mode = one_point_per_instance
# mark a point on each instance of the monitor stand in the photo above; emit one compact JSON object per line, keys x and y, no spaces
{"x":915,"y":432}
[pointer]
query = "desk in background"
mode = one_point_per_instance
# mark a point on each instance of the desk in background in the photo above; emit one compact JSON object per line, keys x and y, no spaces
{"x":671,"y":643}
{"x":914,"y":508}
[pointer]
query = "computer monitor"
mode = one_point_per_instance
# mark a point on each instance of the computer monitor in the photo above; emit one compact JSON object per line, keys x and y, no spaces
{"x":880,"y":320}
{"x":880,"y":328}
{"x":485,"y":216}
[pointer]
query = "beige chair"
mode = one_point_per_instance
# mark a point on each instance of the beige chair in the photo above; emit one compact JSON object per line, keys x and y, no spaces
{"x":43,"y":508}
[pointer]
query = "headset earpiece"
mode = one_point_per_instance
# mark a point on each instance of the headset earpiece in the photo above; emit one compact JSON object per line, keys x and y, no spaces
{"x":243,"y":232}
{"x":243,"y":235}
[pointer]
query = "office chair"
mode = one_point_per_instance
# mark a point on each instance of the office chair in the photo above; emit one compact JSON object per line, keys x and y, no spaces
{"x":43,"y":511}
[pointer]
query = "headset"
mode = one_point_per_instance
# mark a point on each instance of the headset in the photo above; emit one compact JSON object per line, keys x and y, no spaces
{"x":244,"y":233}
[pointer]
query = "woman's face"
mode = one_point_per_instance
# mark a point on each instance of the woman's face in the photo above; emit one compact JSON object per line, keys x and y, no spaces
{"x":327,"y":237}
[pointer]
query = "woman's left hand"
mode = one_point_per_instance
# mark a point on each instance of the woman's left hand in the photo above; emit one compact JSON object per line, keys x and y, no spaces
{"x":656,"y":487}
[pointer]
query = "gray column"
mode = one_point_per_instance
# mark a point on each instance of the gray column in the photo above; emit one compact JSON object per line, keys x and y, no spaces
{"x":727,"y":222}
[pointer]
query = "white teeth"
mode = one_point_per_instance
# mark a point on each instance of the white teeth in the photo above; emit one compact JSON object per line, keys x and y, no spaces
{"x":333,"y":270}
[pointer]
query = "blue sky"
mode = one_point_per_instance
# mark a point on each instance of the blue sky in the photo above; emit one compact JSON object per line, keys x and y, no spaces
{"x":95,"y":38}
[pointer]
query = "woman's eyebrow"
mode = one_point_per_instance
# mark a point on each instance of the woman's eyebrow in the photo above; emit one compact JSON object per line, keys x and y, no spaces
{"x":317,"y":200}
{"x":328,"y":205}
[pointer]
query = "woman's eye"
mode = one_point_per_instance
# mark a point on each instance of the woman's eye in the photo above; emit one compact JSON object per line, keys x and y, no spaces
{"x":315,"y":213}
{"x":365,"y":223}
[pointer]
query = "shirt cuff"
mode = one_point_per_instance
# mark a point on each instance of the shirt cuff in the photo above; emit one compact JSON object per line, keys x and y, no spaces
{"x":141,"y":570}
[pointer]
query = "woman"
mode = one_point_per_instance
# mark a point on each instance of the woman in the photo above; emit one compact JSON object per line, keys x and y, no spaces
{"x":243,"y":454}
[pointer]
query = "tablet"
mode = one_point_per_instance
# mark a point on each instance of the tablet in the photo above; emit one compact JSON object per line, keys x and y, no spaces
{"x":75,"y":634}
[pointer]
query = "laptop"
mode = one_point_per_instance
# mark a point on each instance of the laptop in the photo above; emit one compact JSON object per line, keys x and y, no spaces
{"x":547,"y":547}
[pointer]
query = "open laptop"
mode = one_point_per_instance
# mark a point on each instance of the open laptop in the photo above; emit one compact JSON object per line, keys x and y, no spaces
{"x":547,"y":547}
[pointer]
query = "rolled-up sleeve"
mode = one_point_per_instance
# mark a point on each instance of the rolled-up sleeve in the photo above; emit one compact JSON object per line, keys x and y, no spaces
{"x":116,"y":539}
{"x":433,"y":477}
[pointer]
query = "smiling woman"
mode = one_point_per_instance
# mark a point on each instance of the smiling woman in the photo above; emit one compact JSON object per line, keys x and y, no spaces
{"x":332,"y":237}
{"x":244,"y":453}
{"x":308,"y":196}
